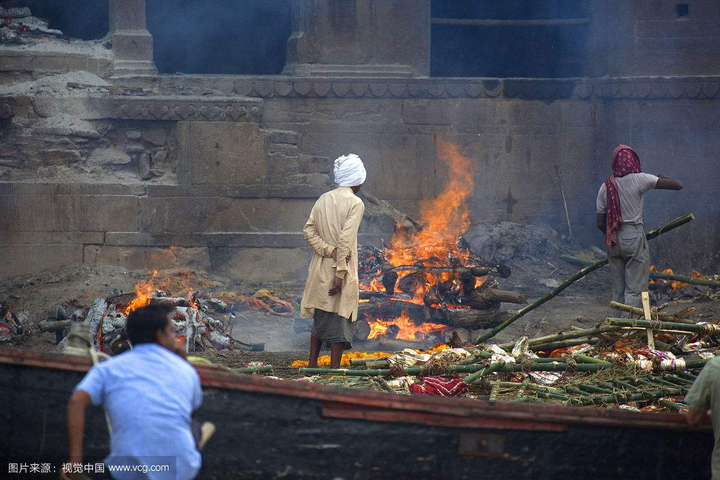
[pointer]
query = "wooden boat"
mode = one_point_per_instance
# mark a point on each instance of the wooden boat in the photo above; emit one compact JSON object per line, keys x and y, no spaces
{"x":283,"y":429}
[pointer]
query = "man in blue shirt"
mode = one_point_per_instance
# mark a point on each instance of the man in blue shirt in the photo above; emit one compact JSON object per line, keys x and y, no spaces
{"x":150,"y":394}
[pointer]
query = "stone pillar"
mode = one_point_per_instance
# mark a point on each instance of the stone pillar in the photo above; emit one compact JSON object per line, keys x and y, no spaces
{"x":358,"y":38}
{"x":131,"y":41}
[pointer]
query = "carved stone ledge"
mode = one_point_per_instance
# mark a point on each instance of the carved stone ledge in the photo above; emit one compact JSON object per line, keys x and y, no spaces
{"x":528,"y":89}
{"x":176,"y":108}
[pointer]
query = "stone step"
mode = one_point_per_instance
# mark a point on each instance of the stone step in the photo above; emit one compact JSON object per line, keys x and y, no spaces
{"x":283,"y":148}
{"x":283,"y":137}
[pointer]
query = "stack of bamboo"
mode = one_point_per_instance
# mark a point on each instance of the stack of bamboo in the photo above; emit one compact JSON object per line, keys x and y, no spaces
{"x":608,"y":364}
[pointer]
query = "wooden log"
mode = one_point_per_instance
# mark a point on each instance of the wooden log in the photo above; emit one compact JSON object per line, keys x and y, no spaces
{"x":481,"y":298}
{"x":386,"y":308}
{"x":362,"y":329}
{"x":520,"y":313}
{"x":470,"y":318}
{"x":54,"y":325}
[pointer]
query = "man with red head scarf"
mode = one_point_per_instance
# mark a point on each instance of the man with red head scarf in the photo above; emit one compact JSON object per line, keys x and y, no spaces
{"x":620,"y":218}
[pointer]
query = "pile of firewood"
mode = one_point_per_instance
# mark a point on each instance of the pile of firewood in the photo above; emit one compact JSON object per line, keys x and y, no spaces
{"x":461,"y":293}
{"x":106,"y":320}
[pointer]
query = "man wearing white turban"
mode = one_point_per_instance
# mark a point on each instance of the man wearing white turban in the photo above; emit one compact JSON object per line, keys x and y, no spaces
{"x":331,"y":292}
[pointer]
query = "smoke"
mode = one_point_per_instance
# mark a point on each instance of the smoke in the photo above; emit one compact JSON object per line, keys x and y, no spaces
{"x":509,"y":50}
{"x":219,"y":36}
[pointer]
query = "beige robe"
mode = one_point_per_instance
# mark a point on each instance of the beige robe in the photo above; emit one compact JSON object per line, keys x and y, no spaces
{"x":333,"y":222}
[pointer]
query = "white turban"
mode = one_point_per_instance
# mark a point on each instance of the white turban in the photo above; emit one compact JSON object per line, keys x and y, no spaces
{"x":349,"y":171}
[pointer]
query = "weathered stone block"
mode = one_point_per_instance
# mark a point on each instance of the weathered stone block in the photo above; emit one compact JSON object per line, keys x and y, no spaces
{"x":283,"y":149}
{"x":28,"y":259}
{"x":55,"y":156}
{"x":283,"y":136}
{"x":48,"y":213}
{"x":278,"y":264}
{"x":426,"y":112}
{"x":108,"y":212}
{"x":309,"y":179}
{"x":63,"y":124}
{"x":308,"y":164}
{"x":207,"y":214}
{"x":221,"y":153}
{"x":148,"y":258}
{"x":108,"y":156}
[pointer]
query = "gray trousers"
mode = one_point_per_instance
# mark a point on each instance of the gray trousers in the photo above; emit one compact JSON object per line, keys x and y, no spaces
{"x":629,"y":265}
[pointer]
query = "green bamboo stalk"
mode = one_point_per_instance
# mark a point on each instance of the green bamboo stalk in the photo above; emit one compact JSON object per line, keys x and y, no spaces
{"x":251,"y":370}
{"x":581,"y":332}
{"x":565,"y":344}
{"x":493,"y":394}
{"x":585,"y":359}
{"x":523,"y":311}
{"x":684,"y":279}
{"x":624,"y":397}
{"x":669,"y":404}
{"x":477,"y":368}
{"x":493,"y":367}
{"x":657,"y":325}
{"x":523,"y":387}
{"x":656,"y":316}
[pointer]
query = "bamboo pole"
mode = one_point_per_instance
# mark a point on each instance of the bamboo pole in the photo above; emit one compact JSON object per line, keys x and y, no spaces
{"x":657,"y":325}
{"x":493,"y":367}
{"x":585,"y":332}
{"x":682,"y":278}
{"x":523,"y":311}
{"x":639,"y":311}
{"x":653,"y":275}
{"x":624,"y":397}
{"x":564,"y":344}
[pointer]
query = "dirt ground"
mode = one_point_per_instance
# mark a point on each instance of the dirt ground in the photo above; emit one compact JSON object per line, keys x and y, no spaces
{"x":287,"y":338}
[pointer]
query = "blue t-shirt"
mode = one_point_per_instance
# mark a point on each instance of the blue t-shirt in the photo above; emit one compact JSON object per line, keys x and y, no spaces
{"x":149,"y":394}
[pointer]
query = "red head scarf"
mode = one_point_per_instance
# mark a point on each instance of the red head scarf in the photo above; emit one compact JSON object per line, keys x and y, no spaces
{"x":623,"y":161}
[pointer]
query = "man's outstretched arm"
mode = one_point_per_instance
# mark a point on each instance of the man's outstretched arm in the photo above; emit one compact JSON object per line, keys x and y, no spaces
{"x":668,"y":183}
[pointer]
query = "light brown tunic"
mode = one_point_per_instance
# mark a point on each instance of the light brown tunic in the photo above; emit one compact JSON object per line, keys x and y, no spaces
{"x":333,"y":222}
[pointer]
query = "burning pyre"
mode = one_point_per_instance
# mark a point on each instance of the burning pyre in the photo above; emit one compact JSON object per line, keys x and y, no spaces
{"x":428,"y":280}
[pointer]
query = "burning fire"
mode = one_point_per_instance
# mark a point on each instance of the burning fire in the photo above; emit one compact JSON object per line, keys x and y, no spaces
{"x":408,"y":329}
{"x":143,"y":291}
{"x":445,"y":218}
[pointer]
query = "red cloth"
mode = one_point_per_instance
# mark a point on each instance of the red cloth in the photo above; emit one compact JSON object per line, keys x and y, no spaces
{"x":439,"y":386}
{"x":624,"y":161}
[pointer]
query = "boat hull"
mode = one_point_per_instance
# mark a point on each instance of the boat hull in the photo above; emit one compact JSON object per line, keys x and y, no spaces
{"x":282,"y":429}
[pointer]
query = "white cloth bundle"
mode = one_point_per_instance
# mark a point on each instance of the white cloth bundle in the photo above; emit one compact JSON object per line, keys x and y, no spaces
{"x":349,"y":171}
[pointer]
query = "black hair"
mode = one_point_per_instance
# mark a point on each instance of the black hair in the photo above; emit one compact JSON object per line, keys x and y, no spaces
{"x":143,"y":323}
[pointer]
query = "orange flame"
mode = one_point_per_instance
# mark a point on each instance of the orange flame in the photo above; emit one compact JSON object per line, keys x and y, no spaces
{"x":143,"y":290}
{"x":445,"y":218}
{"x":408,"y":329}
